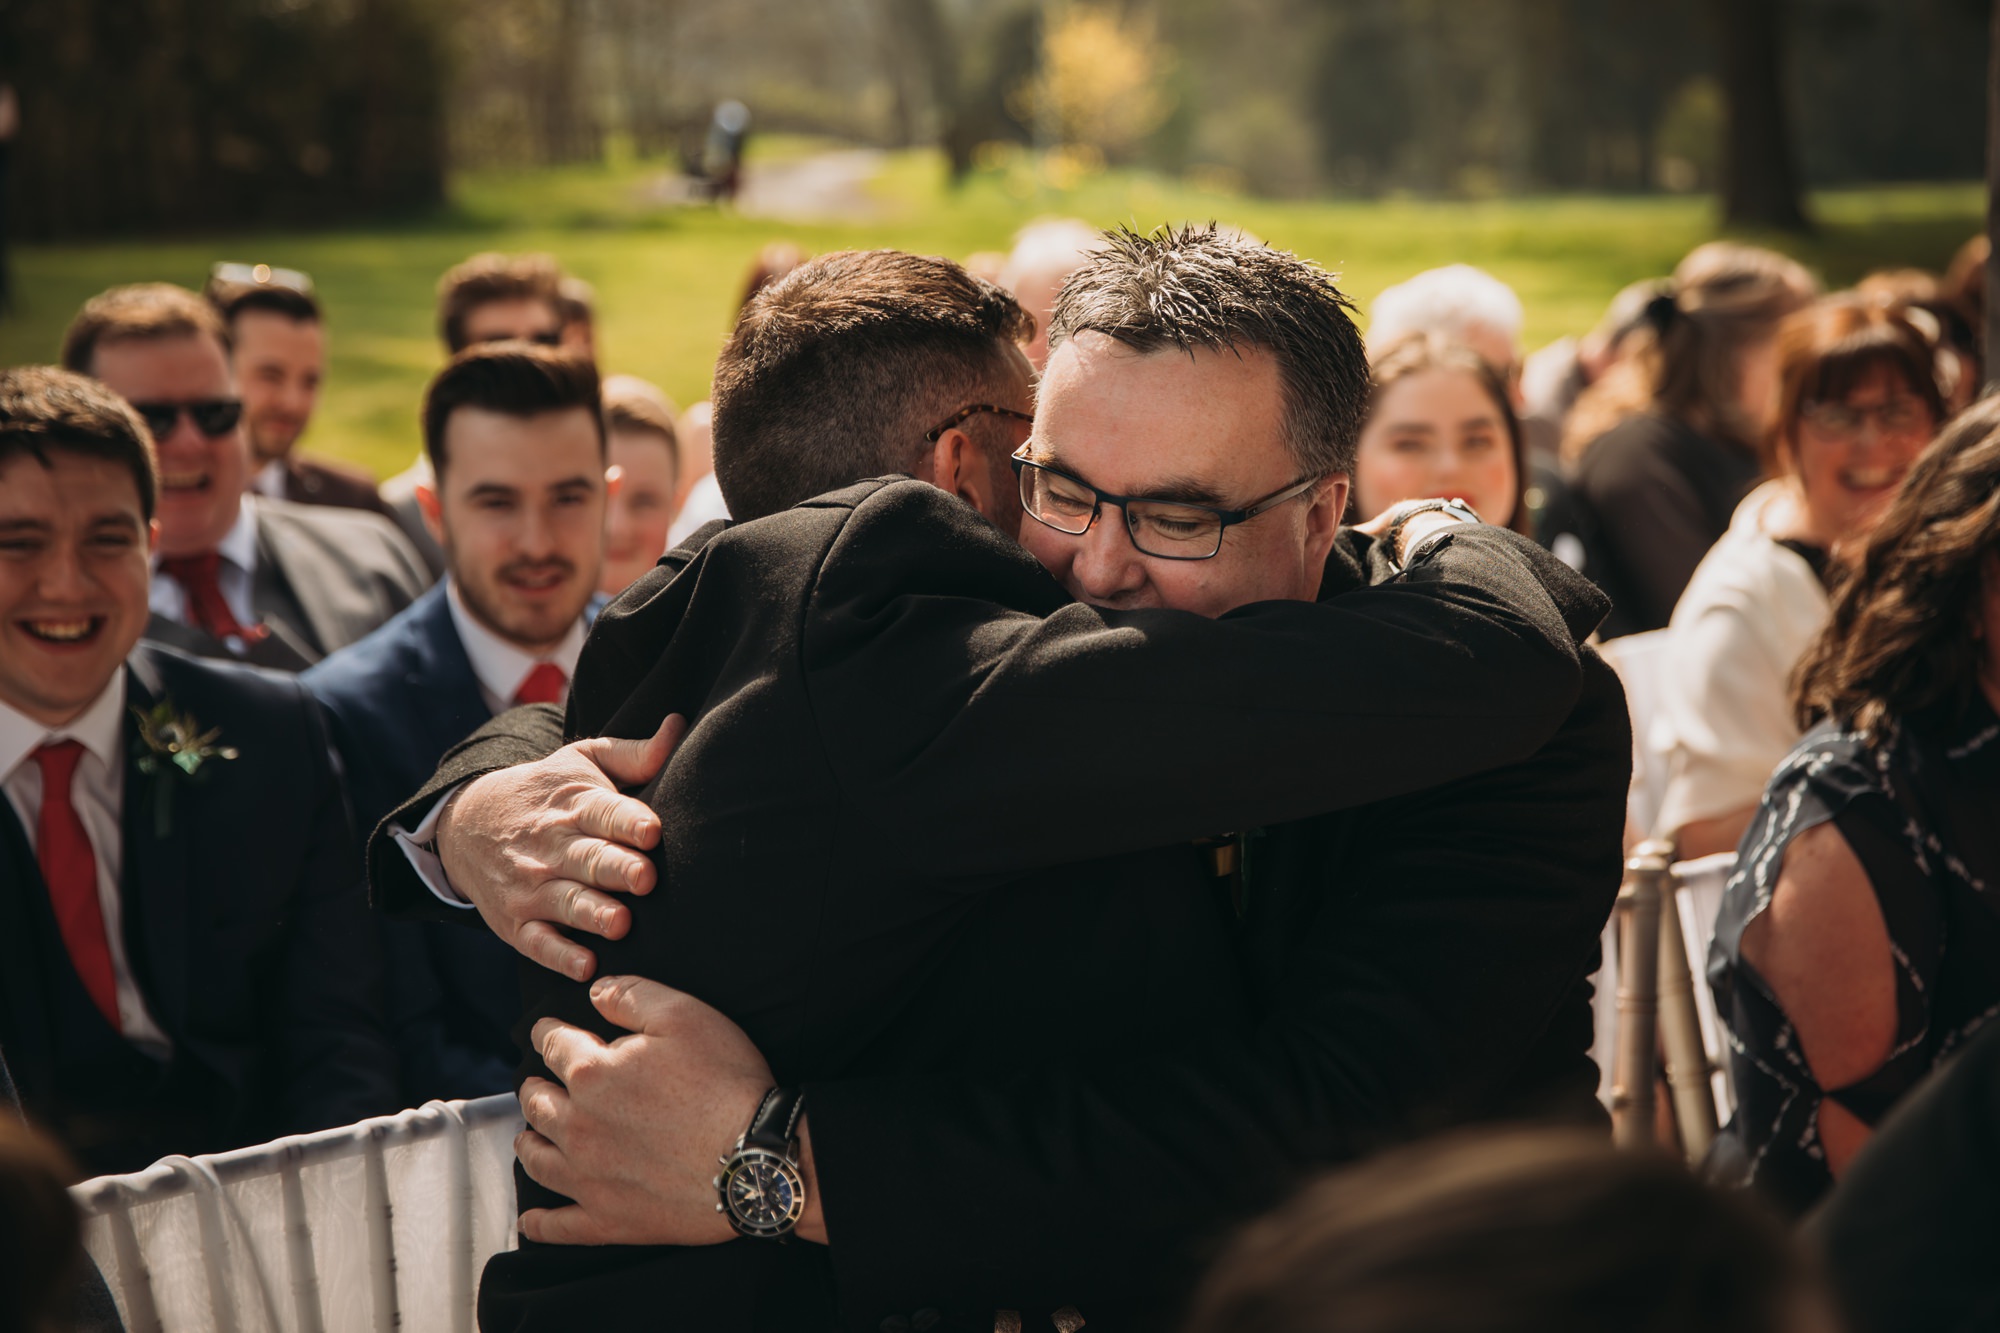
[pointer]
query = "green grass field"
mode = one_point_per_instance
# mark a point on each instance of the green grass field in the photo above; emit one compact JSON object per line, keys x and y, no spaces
{"x":667,"y":277}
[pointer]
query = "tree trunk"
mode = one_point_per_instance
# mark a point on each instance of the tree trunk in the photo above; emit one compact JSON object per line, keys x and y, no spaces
{"x":1760,"y":178}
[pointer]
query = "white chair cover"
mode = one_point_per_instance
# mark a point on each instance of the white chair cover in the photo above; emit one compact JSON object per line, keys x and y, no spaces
{"x":374,"y":1227}
{"x":1641,"y":660}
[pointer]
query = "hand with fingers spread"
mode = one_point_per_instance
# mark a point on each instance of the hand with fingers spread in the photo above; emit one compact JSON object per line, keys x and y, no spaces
{"x":632,"y":1132}
{"x":546,"y":844}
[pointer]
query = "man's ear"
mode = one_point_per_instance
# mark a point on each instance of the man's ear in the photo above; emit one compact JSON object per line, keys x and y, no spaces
{"x":152,"y":536}
{"x":614,"y":478}
{"x":1329,"y":503}
{"x":432,"y":510}
{"x":959,"y":466}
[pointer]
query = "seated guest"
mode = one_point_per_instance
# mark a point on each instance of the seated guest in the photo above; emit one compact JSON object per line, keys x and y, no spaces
{"x":1857,"y":943}
{"x":1857,"y":402}
{"x":490,"y":297}
{"x":1465,"y":305}
{"x":1045,"y":253}
{"x":1555,"y":376}
{"x":700,"y":498}
{"x":576,"y":301}
{"x":1665,"y":447}
{"x":41,"y":1233}
{"x":639,"y":423}
{"x":1909,"y":1233}
{"x":1439,"y":425}
{"x":277,"y":348}
{"x":238,"y":576}
{"x":1517,"y":1231}
{"x":514,"y":436}
{"x":186,"y":963}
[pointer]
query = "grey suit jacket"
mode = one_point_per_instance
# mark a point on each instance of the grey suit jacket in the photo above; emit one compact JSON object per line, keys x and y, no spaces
{"x":325,"y":578}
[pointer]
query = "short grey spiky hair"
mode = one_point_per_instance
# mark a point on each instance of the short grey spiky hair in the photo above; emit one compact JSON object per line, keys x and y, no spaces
{"x":1207,"y":287}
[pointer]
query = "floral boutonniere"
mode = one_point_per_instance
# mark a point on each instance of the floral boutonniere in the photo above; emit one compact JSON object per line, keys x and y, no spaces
{"x":172,"y":749}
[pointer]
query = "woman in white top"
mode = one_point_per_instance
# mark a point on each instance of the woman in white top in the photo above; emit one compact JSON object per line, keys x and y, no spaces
{"x":1859,"y":401}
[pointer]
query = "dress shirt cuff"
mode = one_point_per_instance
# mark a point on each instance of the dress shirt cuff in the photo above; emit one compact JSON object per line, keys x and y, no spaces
{"x":420,"y":847}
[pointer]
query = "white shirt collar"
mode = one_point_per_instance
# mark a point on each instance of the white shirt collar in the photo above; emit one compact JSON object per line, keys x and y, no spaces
{"x":500,"y":666}
{"x":99,"y":727}
{"x":270,"y":479}
{"x":238,"y":545}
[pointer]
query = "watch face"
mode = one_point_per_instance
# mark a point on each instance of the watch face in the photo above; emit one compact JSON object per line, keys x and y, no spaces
{"x":764,"y":1193}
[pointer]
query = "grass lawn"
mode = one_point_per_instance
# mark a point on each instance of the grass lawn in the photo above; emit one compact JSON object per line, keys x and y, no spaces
{"x":667,"y":277}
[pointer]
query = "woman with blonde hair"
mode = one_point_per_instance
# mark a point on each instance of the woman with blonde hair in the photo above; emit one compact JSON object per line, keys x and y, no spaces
{"x":1666,"y":445}
{"x":1858,"y":942}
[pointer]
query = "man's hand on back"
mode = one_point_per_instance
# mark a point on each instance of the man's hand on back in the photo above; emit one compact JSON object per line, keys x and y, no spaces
{"x":633,"y":1132}
{"x":543,"y":845}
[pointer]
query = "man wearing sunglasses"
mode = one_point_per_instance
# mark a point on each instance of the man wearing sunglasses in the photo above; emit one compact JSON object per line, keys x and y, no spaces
{"x":236,"y":576}
{"x":1028,"y":1081}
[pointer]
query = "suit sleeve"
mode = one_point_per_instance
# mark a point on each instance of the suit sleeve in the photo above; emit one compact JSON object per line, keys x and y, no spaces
{"x":1159,"y":725}
{"x":1412,"y":996}
{"x":339,"y":1065}
{"x":517,"y":736}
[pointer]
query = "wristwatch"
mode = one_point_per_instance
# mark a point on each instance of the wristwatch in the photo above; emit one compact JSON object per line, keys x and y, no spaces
{"x":1409,"y":509}
{"x":761,"y":1190}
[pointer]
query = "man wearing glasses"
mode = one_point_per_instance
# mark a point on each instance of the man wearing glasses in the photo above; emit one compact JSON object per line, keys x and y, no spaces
{"x":238,"y":577}
{"x":1022,"y":1063}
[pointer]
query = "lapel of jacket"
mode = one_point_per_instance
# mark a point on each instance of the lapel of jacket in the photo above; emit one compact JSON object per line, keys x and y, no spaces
{"x":155,"y":874}
{"x":291,"y":590}
{"x":20,"y":970}
{"x":441,"y":681}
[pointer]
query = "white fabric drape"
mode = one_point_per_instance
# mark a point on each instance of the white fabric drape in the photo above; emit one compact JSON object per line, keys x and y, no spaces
{"x":373,"y":1227}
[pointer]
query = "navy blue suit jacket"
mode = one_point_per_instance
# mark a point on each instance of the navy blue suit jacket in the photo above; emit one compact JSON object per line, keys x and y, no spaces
{"x":245,"y":923}
{"x":395,"y":702}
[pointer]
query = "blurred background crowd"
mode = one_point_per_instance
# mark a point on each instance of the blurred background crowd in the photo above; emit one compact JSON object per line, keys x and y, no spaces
{"x":1693,"y":294}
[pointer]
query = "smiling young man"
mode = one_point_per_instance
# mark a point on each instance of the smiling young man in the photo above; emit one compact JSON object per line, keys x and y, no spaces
{"x":185,"y":965}
{"x":516,"y":442}
{"x":277,"y":344}
{"x":1038,"y":1073}
{"x":238,"y":577}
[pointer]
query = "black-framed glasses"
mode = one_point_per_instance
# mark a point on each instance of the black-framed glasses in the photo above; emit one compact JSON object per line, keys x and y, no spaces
{"x":1167,"y":529}
{"x":931,"y":436}
{"x":212,"y":416}
{"x":1903,"y":415}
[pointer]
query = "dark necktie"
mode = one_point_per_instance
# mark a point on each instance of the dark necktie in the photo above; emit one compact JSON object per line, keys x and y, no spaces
{"x":207,"y":607}
{"x":69,"y":868}
{"x":544,"y":685}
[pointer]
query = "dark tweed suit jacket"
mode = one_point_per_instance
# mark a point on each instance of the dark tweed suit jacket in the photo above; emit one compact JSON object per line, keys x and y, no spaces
{"x":316,"y":481}
{"x":908,"y":747}
{"x":325,"y":577}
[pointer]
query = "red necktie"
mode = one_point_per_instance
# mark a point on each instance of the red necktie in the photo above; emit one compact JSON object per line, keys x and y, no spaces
{"x":544,"y":685}
{"x":206,"y":605}
{"x":69,"y":868}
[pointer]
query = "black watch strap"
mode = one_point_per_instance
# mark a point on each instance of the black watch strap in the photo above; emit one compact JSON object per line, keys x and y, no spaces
{"x":776,"y":1123}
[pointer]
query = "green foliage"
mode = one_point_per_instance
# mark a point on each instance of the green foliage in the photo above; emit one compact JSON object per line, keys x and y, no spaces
{"x":667,"y":278}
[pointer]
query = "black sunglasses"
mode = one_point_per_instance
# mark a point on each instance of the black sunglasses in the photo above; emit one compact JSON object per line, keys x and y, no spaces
{"x":212,"y":416}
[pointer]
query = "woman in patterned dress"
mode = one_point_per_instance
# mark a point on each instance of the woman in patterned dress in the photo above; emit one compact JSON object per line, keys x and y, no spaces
{"x":1858,"y":943}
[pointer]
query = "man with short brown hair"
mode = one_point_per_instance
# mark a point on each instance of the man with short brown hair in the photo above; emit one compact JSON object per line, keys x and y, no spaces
{"x":186,"y":964}
{"x":490,"y":297}
{"x":278,"y":350}
{"x":238,"y":576}
{"x":516,"y":441}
